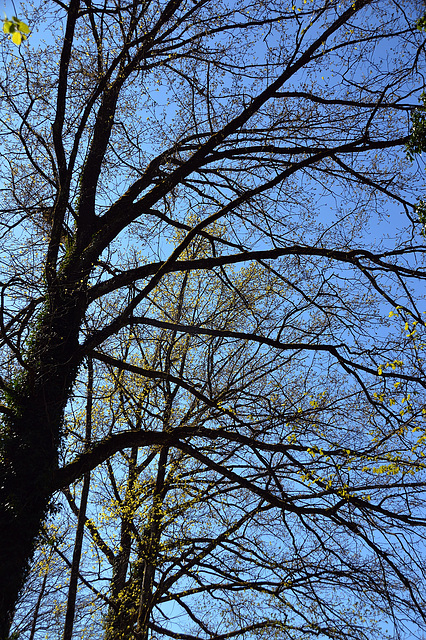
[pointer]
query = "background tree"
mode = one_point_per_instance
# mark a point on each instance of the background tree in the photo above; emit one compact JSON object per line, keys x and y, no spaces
{"x":229,"y":131}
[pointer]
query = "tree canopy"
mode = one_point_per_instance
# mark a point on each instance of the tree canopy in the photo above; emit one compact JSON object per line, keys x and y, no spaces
{"x":212,"y":324}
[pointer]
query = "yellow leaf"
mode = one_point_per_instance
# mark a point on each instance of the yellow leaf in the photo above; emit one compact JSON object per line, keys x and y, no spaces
{"x":17,"y":38}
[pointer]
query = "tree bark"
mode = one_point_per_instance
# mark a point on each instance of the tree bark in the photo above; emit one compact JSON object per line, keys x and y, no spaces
{"x":31,"y":438}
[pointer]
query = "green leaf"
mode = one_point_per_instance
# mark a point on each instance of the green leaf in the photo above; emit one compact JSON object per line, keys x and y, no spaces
{"x":24,"y":28}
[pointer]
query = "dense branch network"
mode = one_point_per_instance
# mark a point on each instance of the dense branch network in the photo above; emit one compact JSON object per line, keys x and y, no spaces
{"x":211,"y":322}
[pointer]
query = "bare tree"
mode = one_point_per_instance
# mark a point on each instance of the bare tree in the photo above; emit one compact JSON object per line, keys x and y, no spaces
{"x":152,"y":140}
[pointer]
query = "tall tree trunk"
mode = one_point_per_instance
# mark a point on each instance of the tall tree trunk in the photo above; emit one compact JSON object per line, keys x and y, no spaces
{"x":31,"y":434}
{"x":134,"y":596}
{"x":152,"y":537}
{"x":119,"y":618}
{"x":78,"y":544}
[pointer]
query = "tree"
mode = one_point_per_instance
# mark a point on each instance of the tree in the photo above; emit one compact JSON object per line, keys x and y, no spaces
{"x":208,"y":541}
{"x":226,"y":131}
{"x":203,"y":538}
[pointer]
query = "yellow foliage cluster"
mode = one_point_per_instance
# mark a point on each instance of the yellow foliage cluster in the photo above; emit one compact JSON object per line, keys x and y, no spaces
{"x":16,"y":29}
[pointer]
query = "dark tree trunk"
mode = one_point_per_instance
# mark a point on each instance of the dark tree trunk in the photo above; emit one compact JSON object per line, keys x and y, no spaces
{"x":78,"y":544}
{"x":30,"y":440}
